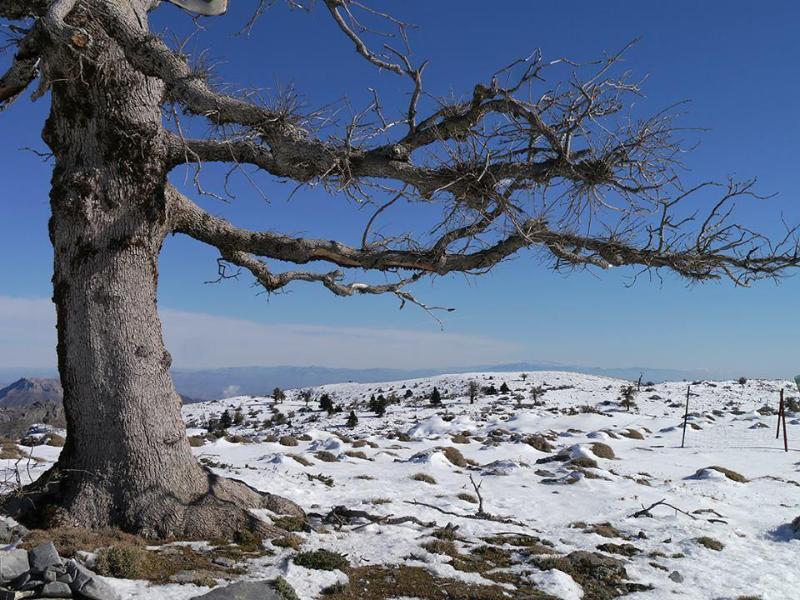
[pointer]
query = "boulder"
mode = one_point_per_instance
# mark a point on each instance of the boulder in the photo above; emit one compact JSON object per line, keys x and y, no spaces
{"x":43,"y":556}
{"x":13,"y":564}
{"x":243,"y":590}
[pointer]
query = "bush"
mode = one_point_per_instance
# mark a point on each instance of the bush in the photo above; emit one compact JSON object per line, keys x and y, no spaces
{"x":504,"y":389}
{"x":321,"y":560}
{"x":326,"y":404}
{"x":278,"y":395}
{"x":196,"y":441}
{"x":325,"y":456}
{"x":424,"y":477}
{"x":742,"y":381}
{"x":436,"y":397}
{"x":378,"y":405}
{"x":454,"y":456}
{"x":125,"y":561}
{"x":287,"y":440}
{"x":352,"y":420}
{"x":408,"y":394}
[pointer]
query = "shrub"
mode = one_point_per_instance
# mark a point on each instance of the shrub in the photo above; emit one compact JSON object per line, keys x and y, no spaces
{"x":408,"y":394}
{"x":278,"y":395}
{"x":742,"y":381}
{"x":123,"y":560}
{"x":467,"y":498}
{"x":287,"y":440}
{"x":321,"y":560}
{"x":352,"y":420}
{"x":423,"y":477}
{"x":504,"y":389}
{"x":326,"y":404}
{"x":196,"y":441}
{"x":238,"y":417}
{"x":285,"y":590}
{"x":710,"y":543}
{"x":325,"y":456}
{"x":225,"y":420}
{"x":454,"y":456}
{"x":473,"y":389}
{"x":602,"y":450}
{"x":55,"y":440}
{"x":436,"y":397}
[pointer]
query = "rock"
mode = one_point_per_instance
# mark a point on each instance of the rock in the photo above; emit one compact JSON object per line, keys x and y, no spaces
{"x":243,"y":590}
{"x":55,"y":589}
{"x":198,"y":577}
{"x":43,"y":556}
{"x":89,"y":585}
{"x":13,"y":564}
{"x":676,"y":577}
{"x":6,"y":595}
{"x":97,"y":589}
{"x":11,"y":531}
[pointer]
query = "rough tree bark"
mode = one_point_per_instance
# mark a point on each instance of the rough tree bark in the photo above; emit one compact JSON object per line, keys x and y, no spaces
{"x":490,"y":162}
{"x":127,"y":461}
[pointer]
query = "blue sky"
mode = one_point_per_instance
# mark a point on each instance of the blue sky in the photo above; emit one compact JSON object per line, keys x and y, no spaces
{"x":736,"y":62}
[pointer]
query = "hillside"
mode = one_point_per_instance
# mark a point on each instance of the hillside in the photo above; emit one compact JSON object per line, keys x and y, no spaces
{"x":582,"y":498}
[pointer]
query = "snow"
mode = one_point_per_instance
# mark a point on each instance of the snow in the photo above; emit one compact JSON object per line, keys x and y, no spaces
{"x":750,"y":519}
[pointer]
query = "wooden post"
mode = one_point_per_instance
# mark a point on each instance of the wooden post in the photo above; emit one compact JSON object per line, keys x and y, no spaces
{"x":780,"y":412}
{"x":686,"y":416}
{"x":783,"y":418}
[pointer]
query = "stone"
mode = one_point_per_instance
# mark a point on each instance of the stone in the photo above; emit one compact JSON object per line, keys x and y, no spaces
{"x":56,"y":589}
{"x":6,"y":595}
{"x":88,"y":585}
{"x":11,"y":531}
{"x":676,"y":577}
{"x":243,"y":590}
{"x":13,"y":563}
{"x":43,"y":556}
{"x":80,"y":575}
{"x":198,"y":577}
{"x":97,"y":589}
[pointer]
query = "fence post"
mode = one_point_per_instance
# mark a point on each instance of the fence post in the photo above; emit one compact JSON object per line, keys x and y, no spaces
{"x":686,"y":416}
{"x":783,"y":418}
{"x":780,"y":412}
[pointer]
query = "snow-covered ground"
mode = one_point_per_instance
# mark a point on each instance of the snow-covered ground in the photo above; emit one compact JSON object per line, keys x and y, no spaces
{"x":533,"y":496}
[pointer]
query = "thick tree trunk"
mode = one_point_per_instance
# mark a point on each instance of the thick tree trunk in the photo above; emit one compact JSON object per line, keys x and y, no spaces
{"x":127,"y":461}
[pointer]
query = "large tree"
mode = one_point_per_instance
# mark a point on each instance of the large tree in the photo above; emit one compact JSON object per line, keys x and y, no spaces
{"x":517,"y":163}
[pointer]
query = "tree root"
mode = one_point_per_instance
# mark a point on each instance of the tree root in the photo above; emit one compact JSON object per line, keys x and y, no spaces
{"x":221,"y":508}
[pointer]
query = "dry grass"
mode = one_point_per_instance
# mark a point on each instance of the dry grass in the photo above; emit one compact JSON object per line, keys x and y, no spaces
{"x":423,"y":477}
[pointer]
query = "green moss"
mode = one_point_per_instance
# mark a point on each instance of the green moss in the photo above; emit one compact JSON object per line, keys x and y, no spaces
{"x":321,"y":560}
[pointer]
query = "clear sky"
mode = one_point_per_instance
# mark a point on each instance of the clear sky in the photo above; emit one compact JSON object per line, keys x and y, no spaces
{"x":736,"y":61}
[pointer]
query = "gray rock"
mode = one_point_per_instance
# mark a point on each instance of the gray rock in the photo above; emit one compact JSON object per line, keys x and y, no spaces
{"x":97,"y":589}
{"x":6,"y":595}
{"x":11,"y":531}
{"x":243,"y":590}
{"x":43,"y":556}
{"x":80,"y":575}
{"x":13,"y":563}
{"x":676,"y":577}
{"x":55,"y":589}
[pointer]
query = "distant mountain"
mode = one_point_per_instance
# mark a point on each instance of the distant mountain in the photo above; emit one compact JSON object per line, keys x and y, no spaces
{"x":196,"y":385}
{"x":213,"y":384}
{"x":29,"y":401}
{"x":25,"y":392}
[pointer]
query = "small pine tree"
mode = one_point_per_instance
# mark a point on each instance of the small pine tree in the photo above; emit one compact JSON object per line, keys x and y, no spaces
{"x":504,"y":389}
{"x":225,"y":420}
{"x":436,"y":397}
{"x":305,"y":396}
{"x":473,"y":389}
{"x":628,"y":393}
{"x":378,"y":405}
{"x":408,"y":394}
{"x":326,"y":404}
{"x":352,"y":420}
{"x":490,"y":390}
{"x":238,"y":417}
{"x":278,"y":394}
